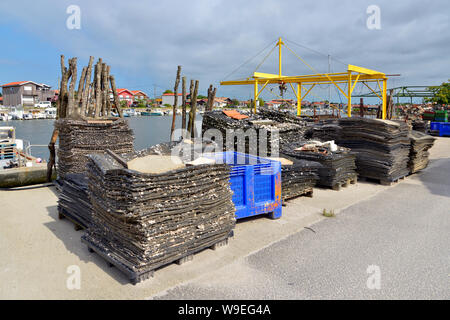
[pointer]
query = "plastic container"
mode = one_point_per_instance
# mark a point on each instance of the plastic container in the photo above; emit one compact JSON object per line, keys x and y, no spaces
{"x":441,"y":128}
{"x":441,"y":116}
{"x":434,"y":126}
{"x":255,"y":182}
{"x":444,"y":129}
{"x":428,"y":115}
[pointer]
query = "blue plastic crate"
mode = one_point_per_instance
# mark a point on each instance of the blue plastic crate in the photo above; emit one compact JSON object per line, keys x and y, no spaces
{"x":442,"y":127}
{"x":255,"y":182}
{"x":434,"y":126}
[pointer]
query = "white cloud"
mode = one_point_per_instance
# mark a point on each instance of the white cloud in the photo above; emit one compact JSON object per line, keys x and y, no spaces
{"x":144,"y":41}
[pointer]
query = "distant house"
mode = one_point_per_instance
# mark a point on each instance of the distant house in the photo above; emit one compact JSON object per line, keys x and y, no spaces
{"x":202,"y":102}
{"x":1,"y":101}
{"x":244,"y":103}
{"x":276,"y":103}
{"x":25,"y":93}
{"x":305,"y":103}
{"x":124,"y":95}
{"x":169,"y":98}
{"x":318,"y":103}
{"x":130,"y":96}
{"x":139,"y":95}
{"x":221,"y":102}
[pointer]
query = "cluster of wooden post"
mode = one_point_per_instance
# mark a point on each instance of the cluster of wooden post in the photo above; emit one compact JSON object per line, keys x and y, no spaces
{"x":361,"y":107}
{"x":91,"y":100}
{"x":211,"y":97}
{"x":389,"y":107}
{"x":193,"y":93}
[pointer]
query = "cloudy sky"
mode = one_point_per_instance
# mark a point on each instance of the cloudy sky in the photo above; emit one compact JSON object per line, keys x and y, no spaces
{"x":144,"y":41}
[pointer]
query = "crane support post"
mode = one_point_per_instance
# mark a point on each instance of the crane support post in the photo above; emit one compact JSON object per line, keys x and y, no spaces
{"x":256,"y":94}
{"x":349,"y":95}
{"x":280,"y":43}
{"x":384,"y":98}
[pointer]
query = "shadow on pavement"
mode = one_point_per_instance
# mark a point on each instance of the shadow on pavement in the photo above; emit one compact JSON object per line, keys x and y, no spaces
{"x":436,"y":177}
{"x":65,"y":231}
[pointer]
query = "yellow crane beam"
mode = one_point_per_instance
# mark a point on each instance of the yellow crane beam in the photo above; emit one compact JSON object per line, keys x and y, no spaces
{"x":319,"y":79}
{"x":351,"y":78}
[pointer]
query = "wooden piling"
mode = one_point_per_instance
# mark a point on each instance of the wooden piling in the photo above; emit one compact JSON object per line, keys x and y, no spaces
{"x":175,"y":101}
{"x":98,"y":89}
{"x":361,"y":108}
{"x":80,"y":91}
{"x":61,"y":103}
{"x":213,"y":97}
{"x":116,"y":96}
{"x":191,"y":125}
{"x":390,"y":104}
{"x":107,"y":89}
{"x":51,"y":161}
{"x":209,"y":98}
{"x":86,"y":90}
{"x":183,"y":107}
{"x":71,"y":97}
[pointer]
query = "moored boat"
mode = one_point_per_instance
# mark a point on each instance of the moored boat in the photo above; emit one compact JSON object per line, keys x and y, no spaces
{"x":17,"y":167}
{"x":4,"y":116}
{"x":50,"y":113}
{"x":152,"y":113}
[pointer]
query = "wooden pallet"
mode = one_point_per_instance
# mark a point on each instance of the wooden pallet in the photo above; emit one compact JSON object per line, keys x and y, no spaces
{"x":383,"y":182}
{"x":308,"y":193}
{"x":62,"y":214}
{"x":136,"y":277}
{"x":345,"y":184}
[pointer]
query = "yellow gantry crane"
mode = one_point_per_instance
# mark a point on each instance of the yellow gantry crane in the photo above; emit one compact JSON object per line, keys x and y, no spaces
{"x":351,"y":78}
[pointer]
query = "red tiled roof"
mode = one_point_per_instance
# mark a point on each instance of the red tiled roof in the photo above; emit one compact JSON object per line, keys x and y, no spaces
{"x":138,"y":91}
{"x":172,"y":94}
{"x":120,"y":90}
{"x":220,"y":99}
{"x":15,"y":83}
{"x":19,"y":83}
{"x":277,"y":101}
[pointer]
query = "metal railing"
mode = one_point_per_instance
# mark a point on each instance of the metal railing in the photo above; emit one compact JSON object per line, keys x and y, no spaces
{"x":27,"y":146}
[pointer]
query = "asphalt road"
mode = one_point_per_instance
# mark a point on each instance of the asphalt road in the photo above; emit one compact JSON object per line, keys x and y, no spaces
{"x":403,"y":232}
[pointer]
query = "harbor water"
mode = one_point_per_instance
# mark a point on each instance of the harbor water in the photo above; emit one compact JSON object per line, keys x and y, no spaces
{"x":148,"y":131}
